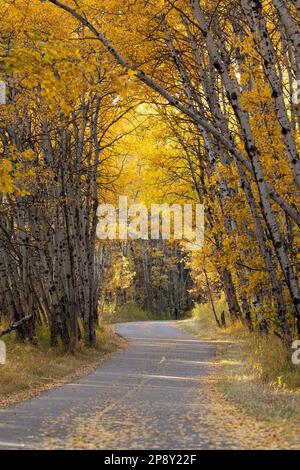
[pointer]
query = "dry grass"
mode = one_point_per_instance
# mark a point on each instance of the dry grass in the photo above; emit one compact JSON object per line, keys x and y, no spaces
{"x":253,"y":372}
{"x":32,"y":369}
{"x":258,"y":377}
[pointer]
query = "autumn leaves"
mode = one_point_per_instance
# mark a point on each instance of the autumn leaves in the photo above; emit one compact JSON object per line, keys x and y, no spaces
{"x":213,"y":56}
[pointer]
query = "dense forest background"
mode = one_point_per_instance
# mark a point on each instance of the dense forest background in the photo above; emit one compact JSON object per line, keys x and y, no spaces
{"x":175,"y":101}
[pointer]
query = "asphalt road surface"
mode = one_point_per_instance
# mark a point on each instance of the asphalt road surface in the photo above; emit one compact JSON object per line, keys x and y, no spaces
{"x":147,"y":396}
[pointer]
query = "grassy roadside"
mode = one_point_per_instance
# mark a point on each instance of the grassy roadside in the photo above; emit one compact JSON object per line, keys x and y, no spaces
{"x":253,"y":373}
{"x":30,"y":370}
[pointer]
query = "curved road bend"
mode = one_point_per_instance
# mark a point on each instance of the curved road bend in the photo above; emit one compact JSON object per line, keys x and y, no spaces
{"x":149,"y":396}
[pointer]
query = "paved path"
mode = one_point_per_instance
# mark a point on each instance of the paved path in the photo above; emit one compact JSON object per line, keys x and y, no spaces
{"x":146,"y":396}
